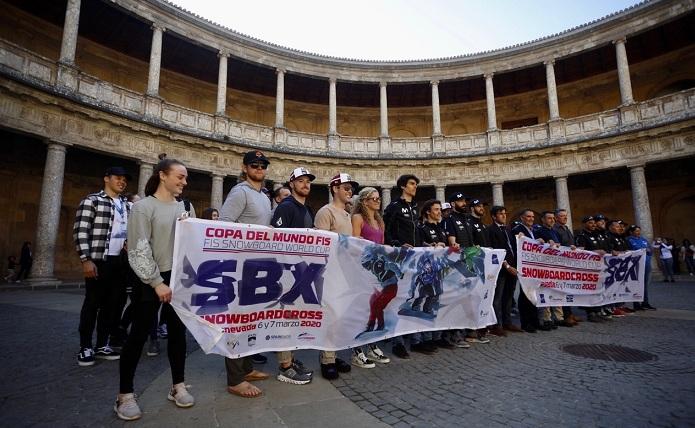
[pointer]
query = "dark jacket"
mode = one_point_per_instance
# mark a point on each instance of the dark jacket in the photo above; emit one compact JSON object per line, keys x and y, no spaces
{"x":520,"y":228}
{"x":602,"y":239}
{"x":400,"y":218}
{"x":565,"y":234}
{"x":478,"y":231}
{"x":456,"y":225}
{"x":292,"y":214}
{"x":502,"y":239}
{"x":616,"y":243}
{"x":547,"y":234}
{"x":587,"y":240}
{"x":431,"y":233}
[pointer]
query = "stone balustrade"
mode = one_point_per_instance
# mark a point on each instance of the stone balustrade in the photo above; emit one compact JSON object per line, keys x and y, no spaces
{"x":26,"y":66}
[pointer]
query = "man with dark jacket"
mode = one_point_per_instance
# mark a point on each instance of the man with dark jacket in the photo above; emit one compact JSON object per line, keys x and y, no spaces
{"x":400,"y":219}
{"x":456,"y":225}
{"x":527,"y":312}
{"x":501,"y":238}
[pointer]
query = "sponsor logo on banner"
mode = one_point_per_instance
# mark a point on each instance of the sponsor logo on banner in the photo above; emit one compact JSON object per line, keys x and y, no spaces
{"x":233,"y":343}
{"x":569,"y":298}
{"x":495,"y":260}
{"x":306,"y":336}
{"x":252,"y":339}
{"x":277,"y":336}
{"x":542,"y":297}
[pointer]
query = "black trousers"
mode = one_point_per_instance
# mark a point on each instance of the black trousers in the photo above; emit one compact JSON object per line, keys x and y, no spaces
{"x":237,"y":368}
{"x":144,"y":310}
{"x":102,"y":298}
{"x":504,"y":297}
{"x":528,"y":315}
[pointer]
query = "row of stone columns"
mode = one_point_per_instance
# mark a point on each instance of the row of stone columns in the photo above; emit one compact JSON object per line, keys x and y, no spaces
{"x":69,"y":44}
{"x":54,"y":171}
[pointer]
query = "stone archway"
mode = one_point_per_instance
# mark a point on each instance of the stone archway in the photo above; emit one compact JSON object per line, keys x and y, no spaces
{"x":675,"y":217}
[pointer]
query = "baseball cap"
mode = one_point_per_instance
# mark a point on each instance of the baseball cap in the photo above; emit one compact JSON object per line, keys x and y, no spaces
{"x":117,"y":170}
{"x":474,"y":202}
{"x":456,"y":197}
{"x":598,"y":217}
{"x":587,"y":219}
{"x":343,"y":178}
{"x":255,"y":156}
{"x":298,"y":172}
{"x":446,"y":206}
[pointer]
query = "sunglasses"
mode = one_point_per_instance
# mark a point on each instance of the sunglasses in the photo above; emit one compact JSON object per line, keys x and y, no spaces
{"x":377,"y":199}
{"x":258,"y":165}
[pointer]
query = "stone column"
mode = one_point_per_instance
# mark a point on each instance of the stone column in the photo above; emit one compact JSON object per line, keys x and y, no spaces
{"x":48,"y":220}
{"x":330,"y":195}
{"x":553,"y":107}
{"x":640,"y":201}
{"x":146,"y":169}
{"x":68,"y":46}
{"x":222,"y":83}
{"x":623,"y":72}
{"x":217,"y":196}
{"x":490,"y":97}
{"x":562,"y":196}
{"x":155,"y":60}
{"x":385,"y":197}
{"x":384,"y":110}
{"x":497,"y":194}
{"x":436,"y":117}
{"x":440,"y":193}
{"x":332,"y":108}
{"x":280,"y":99}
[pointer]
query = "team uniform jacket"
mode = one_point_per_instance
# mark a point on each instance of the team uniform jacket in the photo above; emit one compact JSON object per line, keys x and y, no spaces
{"x":478,"y":231}
{"x":617,"y":243}
{"x":400,"y":218}
{"x":432,"y":233}
{"x":292,"y":214}
{"x":456,"y":225}
{"x":587,"y":240}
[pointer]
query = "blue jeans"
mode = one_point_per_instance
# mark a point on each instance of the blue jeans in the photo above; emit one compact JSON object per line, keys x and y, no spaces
{"x":667,"y":268}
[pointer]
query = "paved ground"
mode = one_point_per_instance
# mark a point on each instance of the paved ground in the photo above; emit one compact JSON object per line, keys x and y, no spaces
{"x":522,"y":380}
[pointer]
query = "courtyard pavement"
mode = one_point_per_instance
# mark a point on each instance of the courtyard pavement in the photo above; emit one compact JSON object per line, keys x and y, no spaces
{"x":524,"y":380}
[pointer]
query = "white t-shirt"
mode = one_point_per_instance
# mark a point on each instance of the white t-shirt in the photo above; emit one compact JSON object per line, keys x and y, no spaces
{"x":119,"y":228}
{"x":665,"y":250}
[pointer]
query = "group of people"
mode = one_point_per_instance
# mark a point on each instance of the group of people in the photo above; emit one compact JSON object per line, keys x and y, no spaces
{"x":17,"y":270}
{"x":116,"y":238}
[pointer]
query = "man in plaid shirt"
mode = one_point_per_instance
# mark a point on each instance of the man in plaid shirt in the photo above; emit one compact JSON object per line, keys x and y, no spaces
{"x":100,"y":233}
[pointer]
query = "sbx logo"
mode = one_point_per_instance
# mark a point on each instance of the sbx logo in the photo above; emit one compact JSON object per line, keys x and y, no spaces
{"x":260,"y":283}
{"x":621,"y":270}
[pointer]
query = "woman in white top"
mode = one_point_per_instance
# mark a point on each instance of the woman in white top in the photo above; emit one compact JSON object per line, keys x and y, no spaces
{"x":666,"y":257}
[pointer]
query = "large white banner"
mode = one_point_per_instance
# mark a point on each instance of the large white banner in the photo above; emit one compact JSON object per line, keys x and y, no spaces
{"x":243,"y":289}
{"x":560,"y":276}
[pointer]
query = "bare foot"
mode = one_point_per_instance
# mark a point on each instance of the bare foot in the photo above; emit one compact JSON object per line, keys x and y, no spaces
{"x":245,"y":389}
{"x":256,"y":375}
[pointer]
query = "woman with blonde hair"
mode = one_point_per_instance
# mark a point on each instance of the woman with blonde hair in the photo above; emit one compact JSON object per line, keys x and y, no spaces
{"x":367,"y":223}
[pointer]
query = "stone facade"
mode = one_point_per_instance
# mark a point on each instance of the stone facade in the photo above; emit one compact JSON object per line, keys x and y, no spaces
{"x":73,"y":100}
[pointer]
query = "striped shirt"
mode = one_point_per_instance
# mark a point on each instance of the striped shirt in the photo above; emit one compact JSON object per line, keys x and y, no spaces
{"x":92,"y":228}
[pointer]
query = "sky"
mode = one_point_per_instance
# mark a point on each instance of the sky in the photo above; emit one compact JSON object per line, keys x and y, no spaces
{"x":401,"y":29}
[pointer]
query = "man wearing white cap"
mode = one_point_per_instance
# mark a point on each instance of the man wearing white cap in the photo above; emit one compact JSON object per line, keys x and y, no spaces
{"x":293,"y":213}
{"x":334,"y":218}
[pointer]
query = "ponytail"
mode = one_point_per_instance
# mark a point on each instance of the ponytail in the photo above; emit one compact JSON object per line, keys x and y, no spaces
{"x":164,"y":166}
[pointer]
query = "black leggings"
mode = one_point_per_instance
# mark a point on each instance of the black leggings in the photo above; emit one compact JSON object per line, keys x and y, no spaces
{"x":144,"y":310}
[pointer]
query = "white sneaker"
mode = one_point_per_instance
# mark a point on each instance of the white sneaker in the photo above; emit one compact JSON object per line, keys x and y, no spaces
{"x":180,"y":396}
{"x":375,"y":354}
{"x":361,"y":360}
{"x":127,"y":408}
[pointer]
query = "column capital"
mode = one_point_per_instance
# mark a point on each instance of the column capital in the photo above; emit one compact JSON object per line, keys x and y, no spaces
{"x":560,"y":177}
{"x":157,"y":26}
{"x":280,"y":70}
{"x":434,"y":82}
{"x":549,"y":61}
{"x":636,"y":166}
{"x":146,"y":163}
{"x":332,"y":80}
{"x":221,"y":175}
{"x":223,"y":53}
{"x":489,"y":75}
{"x":57,"y":145}
{"x":383,"y":84}
{"x":621,"y":40}
{"x":497,"y":183}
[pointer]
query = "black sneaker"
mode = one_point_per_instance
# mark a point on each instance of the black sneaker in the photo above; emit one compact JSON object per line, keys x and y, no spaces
{"x":400,"y":351}
{"x":85,"y":357}
{"x":106,"y":353}
{"x":421,"y":348}
{"x":290,"y":375}
{"x":342,"y":366}
{"x":301,"y":368}
{"x":329,"y":371}
{"x":443,"y":343}
{"x":259,"y":359}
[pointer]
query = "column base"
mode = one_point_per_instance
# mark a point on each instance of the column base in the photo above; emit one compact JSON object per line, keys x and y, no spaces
{"x":279,"y":136}
{"x":493,"y":139}
{"x":556,"y":129}
{"x":153,"y":106}
{"x":438,"y":146}
{"x":220,"y":124}
{"x":629,"y":114}
{"x":333,"y":143}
